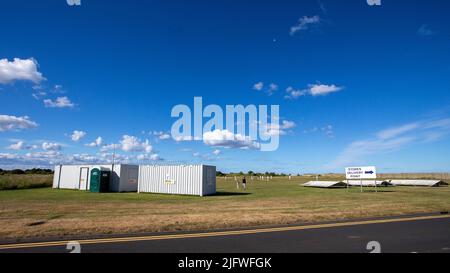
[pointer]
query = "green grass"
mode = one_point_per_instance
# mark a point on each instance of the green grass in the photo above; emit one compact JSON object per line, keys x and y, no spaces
{"x":27,"y":181}
{"x":48,"y":212}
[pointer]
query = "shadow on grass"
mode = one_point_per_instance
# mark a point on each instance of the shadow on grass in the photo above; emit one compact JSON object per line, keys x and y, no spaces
{"x":224,"y":193}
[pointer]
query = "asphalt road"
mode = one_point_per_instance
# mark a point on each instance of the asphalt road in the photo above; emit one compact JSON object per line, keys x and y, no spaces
{"x":422,"y":234}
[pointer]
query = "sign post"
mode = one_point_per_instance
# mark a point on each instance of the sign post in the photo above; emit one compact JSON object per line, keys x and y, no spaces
{"x":360,"y":173}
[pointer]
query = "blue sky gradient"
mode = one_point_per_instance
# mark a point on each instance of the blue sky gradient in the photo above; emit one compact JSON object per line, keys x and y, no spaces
{"x":123,"y":65}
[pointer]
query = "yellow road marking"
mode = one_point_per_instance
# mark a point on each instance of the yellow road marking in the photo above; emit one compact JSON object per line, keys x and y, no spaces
{"x":218,"y":233}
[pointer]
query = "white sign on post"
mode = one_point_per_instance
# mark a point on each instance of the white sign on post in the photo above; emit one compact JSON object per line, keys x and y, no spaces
{"x":357,"y":173}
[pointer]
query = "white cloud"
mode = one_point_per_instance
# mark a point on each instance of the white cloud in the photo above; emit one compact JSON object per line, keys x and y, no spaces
{"x":328,"y":130}
{"x":165,"y":137}
{"x":225,"y":138}
{"x":21,"y":145}
{"x":258,"y":86}
{"x":51,"y":146}
{"x":133,"y":144}
{"x":425,"y":31}
{"x":97,"y":143}
{"x":77,"y":135}
{"x":286,"y":124}
{"x":313,"y":90}
{"x":155,"y":157}
{"x":396,"y":131}
{"x":279,"y":129}
{"x":12,"y":123}
{"x":323,"y":89}
{"x":61,"y":102}
{"x":294,"y":93}
{"x":20,"y":70}
{"x":161,"y":135}
{"x":393,"y":139}
{"x":37,"y":159}
{"x":39,"y":95}
{"x":147,"y":157}
{"x":272,"y":89}
{"x":109,"y":147}
{"x":217,"y":152}
{"x":304,"y":23}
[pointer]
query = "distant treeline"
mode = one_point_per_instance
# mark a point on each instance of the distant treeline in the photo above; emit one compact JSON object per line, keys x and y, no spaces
{"x":30,"y":171}
{"x":250,"y":173}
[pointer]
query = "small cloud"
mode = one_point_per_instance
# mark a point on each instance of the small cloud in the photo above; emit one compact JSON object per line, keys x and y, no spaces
{"x":293,"y":93}
{"x":258,"y":86}
{"x":323,"y":89}
{"x":272,"y":89}
{"x":305,"y":23}
{"x":313,"y":90}
{"x":61,"y":102}
{"x":425,"y":31}
{"x":77,"y":135}
{"x":217,"y":152}
{"x":39,"y":95}
{"x":51,"y":146}
{"x":97,"y":143}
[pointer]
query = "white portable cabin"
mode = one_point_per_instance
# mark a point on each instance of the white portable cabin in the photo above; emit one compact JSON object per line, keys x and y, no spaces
{"x":419,"y":183}
{"x":199,"y":180}
{"x":325,"y":184}
{"x":124,"y":178}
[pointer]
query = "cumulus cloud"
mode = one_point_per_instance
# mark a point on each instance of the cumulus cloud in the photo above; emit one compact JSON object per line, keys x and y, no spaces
{"x":226,"y":139}
{"x":20,"y":70}
{"x":97,"y":143}
{"x":77,"y":135}
{"x":21,"y":145}
{"x":51,"y":146}
{"x":133,"y":144}
{"x":13,"y":123}
{"x":60,"y":102}
{"x":304,"y":23}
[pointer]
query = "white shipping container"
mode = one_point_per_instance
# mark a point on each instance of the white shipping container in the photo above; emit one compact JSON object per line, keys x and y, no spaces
{"x":124,"y":178}
{"x":197,"y":180}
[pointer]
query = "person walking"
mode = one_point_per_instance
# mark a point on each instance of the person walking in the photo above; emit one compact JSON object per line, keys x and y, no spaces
{"x":244,"y":183}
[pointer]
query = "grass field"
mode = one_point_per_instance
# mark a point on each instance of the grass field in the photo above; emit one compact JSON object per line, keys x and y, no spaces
{"x":27,"y":181}
{"x":46,"y":212}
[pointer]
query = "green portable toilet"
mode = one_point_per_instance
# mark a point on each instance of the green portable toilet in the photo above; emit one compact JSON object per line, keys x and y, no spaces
{"x":100,"y":180}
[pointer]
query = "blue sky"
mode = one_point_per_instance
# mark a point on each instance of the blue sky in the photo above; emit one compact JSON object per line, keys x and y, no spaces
{"x":356,"y":84}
